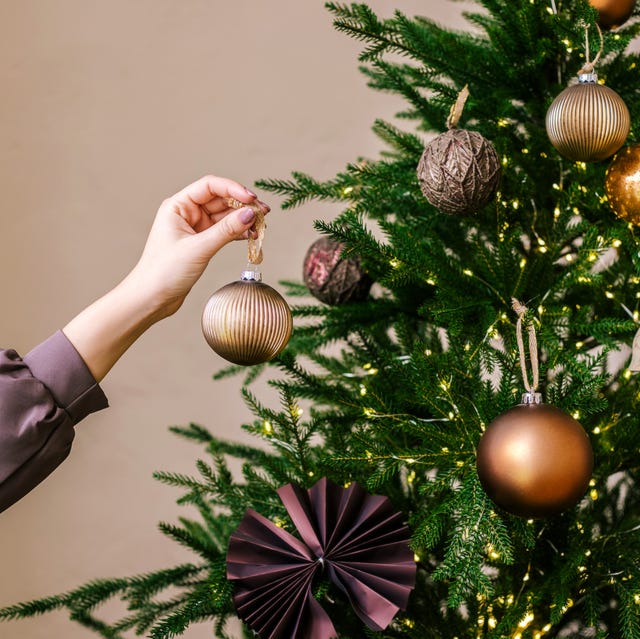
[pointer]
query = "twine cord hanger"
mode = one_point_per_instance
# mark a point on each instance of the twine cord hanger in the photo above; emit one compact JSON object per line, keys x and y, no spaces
{"x":590,"y":66}
{"x":458,"y":107}
{"x":255,"y":244}
{"x":521,"y":310}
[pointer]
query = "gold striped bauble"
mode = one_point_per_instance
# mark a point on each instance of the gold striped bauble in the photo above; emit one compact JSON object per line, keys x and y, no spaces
{"x":588,"y":121}
{"x":247,"y":322}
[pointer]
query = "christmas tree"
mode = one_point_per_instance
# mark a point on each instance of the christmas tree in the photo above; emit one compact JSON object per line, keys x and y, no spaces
{"x":396,"y":388}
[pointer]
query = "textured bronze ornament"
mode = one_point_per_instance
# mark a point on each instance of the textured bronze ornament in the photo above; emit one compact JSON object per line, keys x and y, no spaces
{"x":331,"y":278}
{"x":247,"y":322}
{"x":535,"y":461}
{"x":459,"y":170}
{"x":622,"y":184}
{"x":613,"y":13}
{"x":588,"y":121}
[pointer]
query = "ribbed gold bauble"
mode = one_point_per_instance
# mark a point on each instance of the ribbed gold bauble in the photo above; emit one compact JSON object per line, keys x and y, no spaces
{"x":613,"y":13}
{"x":622,"y":184}
{"x":535,"y":461}
{"x":247,"y":322}
{"x":588,"y":121}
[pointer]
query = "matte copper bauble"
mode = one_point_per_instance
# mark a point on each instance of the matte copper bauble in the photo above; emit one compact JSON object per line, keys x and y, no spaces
{"x":332,"y":278}
{"x":613,"y":13}
{"x":535,"y":461}
{"x":459,"y":171}
{"x":588,"y":121}
{"x":622,"y":184}
{"x":247,"y":322}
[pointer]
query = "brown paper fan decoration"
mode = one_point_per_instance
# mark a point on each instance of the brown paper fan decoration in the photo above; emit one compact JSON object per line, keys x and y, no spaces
{"x":357,"y":539}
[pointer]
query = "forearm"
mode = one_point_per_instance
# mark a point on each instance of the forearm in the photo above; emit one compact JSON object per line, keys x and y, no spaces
{"x":102,"y":332}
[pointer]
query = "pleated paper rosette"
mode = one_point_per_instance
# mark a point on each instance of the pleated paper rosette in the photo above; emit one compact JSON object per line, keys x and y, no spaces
{"x":357,"y":539}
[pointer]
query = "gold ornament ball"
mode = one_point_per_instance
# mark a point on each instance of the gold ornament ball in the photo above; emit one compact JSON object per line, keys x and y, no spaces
{"x":613,"y":13}
{"x":622,"y":184}
{"x":535,"y":461}
{"x":247,"y":322}
{"x":588,"y":121}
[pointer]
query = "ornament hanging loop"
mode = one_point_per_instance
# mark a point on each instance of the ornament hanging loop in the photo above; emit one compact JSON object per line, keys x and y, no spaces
{"x":458,"y":107}
{"x":531,"y":396}
{"x":590,"y":66}
{"x":255,"y":243}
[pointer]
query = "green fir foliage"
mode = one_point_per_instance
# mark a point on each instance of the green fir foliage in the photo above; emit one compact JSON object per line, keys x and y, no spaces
{"x":398,"y":389}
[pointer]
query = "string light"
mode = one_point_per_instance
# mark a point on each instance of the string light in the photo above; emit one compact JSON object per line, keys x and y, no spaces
{"x":267,"y":428}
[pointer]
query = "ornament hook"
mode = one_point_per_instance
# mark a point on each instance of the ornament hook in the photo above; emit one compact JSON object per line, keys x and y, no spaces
{"x":530,"y":397}
{"x":456,"y":110}
{"x":255,"y":244}
{"x":589,"y":66}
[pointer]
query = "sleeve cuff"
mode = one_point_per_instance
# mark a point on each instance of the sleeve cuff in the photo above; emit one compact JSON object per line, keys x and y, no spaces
{"x":59,"y":366}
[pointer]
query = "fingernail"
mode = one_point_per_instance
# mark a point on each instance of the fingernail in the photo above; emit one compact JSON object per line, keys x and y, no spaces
{"x":251,"y":193}
{"x":246,"y":215}
{"x":266,"y":207}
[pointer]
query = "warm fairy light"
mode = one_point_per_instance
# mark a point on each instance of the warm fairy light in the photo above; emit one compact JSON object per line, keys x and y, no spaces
{"x":411,"y":477}
{"x":582,"y":165}
{"x":576,"y":210}
{"x":543,"y":249}
{"x":347,"y":190}
{"x":556,"y":212}
{"x":569,"y":258}
{"x":279,"y":522}
{"x":515,"y":204}
{"x":576,"y":414}
{"x":492,"y":623}
{"x":543,"y":155}
{"x":518,"y":635}
{"x":627,"y":374}
{"x":593,"y":493}
{"x":451,"y":415}
{"x":416,"y":557}
{"x":546,"y":628}
{"x":467,"y":347}
{"x":492,"y":553}
{"x":592,"y":257}
{"x":410,"y":461}
{"x":468,"y":272}
{"x":409,"y":623}
{"x":394,"y":263}
{"x":582,"y":569}
{"x":299,"y":411}
{"x":525,"y":622}
{"x":541,"y":242}
{"x":363,"y":390}
{"x":505,"y":160}
{"x":428,"y":352}
{"x":636,"y":316}
{"x":267,"y":428}
{"x":579,"y":345}
{"x":523,"y":262}
{"x":504,"y":317}
{"x":541,"y":309}
{"x":556,"y":186}
{"x":525,"y":151}
{"x":567,"y":605}
{"x":444,"y":385}
{"x":526,"y":577}
{"x":503,"y":122}
{"x":632,"y":66}
{"x":584,"y":280}
{"x":616,"y":243}
{"x":636,"y":599}
{"x":444,"y":449}
{"x":609,"y":295}
{"x":431,"y":282}
{"x":596,"y":430}
{"x":592,"y":482}
{"x":369,"y":412}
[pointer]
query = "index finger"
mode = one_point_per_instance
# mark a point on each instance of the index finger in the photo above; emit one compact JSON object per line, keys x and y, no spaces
{"x":210,"y":187}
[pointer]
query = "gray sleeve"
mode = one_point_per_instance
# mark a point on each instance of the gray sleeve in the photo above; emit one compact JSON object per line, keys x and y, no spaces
{"x":42,"y":397}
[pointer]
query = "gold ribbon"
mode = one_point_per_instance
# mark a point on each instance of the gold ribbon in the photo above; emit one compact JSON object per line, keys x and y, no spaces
{"x":255,"y":244}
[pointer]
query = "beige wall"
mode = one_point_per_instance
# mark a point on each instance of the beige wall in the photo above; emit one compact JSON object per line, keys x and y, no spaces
{"x":106,"y":108}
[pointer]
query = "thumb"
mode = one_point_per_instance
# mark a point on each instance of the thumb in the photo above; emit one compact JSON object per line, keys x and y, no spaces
{"x":231,"y":227}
